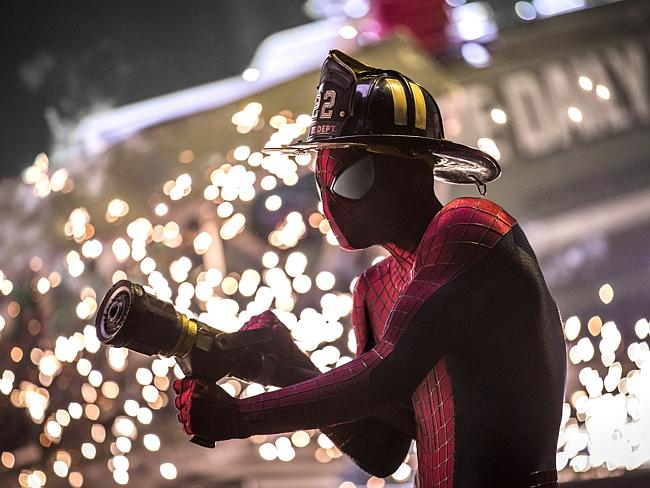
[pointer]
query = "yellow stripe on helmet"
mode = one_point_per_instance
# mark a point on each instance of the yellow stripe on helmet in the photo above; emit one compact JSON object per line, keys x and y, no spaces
{"x":420,"y":106}
{"x":399,"y":101}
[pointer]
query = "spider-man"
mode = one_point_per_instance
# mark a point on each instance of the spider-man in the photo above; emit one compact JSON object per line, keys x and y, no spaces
{"x":459,"y":341}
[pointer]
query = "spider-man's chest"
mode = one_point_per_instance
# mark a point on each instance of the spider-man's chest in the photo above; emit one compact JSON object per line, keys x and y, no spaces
{"x":385,"y":286}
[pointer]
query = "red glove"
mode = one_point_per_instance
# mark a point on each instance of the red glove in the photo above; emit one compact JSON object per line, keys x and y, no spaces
{"x":266,"y":319}
{"x":206,"y":410}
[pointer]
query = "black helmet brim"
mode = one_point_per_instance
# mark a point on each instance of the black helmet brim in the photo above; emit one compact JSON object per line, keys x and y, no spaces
{"x":454,"y":163}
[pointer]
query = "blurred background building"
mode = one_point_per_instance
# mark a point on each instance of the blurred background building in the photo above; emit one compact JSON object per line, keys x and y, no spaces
{"x":131,"y":147}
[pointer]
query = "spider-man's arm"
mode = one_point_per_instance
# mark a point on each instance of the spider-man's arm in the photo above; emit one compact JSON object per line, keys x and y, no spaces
{"x":372,"y":442}
{"x":378,"y":443}
{"x":421,"y":327}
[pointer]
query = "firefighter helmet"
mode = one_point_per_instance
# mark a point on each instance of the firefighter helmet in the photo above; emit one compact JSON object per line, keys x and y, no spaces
{"x":383,"y":111}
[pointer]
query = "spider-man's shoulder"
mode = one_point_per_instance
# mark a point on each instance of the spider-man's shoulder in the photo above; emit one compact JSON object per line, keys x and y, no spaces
{"x":460,"y":234}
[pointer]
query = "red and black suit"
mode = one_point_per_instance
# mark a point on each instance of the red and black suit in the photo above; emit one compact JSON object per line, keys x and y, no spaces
{"x":466,"y":329}
{"x":460,"y":343}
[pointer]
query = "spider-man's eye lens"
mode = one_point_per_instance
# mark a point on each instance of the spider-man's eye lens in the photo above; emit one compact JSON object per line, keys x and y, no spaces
{"x":357,"y":180}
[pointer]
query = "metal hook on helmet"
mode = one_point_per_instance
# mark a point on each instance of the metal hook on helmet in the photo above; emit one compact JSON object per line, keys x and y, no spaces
{"x":480,"y":186}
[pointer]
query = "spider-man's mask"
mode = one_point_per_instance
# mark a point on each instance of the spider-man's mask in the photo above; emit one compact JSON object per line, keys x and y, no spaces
{"x":350,"y":183}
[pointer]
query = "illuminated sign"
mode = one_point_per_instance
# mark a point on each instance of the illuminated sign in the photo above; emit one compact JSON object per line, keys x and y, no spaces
{"x":535,"y":111}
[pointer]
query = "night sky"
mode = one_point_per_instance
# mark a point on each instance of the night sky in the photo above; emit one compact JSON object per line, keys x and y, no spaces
{"x":61,"y":59}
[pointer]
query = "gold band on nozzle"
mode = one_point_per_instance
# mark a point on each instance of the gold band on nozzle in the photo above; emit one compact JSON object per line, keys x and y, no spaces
{"x":186,"y":337}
